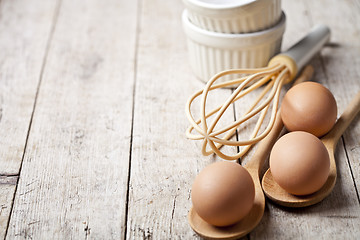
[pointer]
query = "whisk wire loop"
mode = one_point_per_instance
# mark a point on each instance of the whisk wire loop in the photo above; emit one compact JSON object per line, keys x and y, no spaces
{"x":250,"y":114}
{"x":275,"y":76}
{"x":213,"y":111}
{"x":254,"y":139}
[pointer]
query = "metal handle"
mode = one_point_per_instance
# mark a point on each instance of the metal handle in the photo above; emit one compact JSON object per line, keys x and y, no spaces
{"x":307,"y":47}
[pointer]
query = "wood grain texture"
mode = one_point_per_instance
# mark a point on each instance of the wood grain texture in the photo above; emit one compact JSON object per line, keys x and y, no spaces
{"x":25,"y":29}
{"x":164,"y":163}
{"x":73,"y":181}
{"x":87,"y":134}
{"x":25,"y":32}
{"x":7,"y":188}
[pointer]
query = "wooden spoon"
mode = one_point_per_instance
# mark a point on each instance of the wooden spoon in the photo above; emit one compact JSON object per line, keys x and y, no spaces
{"x":247,"y":224}
{"x":281,"y":197}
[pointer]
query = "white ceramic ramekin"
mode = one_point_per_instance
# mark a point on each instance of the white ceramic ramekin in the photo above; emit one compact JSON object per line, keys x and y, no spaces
{"x":233,"y":16}
{"x":211,"y":52}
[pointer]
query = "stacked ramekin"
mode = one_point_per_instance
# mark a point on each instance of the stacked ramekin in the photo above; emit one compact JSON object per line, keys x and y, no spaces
{"x":229,"y":34}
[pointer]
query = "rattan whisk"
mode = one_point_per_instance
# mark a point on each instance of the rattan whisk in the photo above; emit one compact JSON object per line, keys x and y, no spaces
{"x":281,"y":70}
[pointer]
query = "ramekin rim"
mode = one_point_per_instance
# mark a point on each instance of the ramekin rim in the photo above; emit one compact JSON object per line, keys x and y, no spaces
{"x":280,"y":24}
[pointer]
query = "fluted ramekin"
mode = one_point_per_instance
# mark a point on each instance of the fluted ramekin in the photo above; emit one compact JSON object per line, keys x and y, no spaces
{"x":211,"y":52}
{"x":234,"y":16}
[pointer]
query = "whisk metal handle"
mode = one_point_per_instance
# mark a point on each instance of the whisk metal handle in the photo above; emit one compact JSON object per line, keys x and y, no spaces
{"x":305,"y":49}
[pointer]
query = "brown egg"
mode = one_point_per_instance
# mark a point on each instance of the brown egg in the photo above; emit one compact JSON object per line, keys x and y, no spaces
{"x":309,"y":107}
{"x":299,"y":163}
{"x":223,"y":193}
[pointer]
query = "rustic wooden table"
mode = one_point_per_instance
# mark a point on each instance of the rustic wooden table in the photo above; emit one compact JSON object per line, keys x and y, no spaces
{"x":92,"y":122}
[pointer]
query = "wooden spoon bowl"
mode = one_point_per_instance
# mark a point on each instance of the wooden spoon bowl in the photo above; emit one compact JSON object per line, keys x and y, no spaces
{"x":253,"y":218}
{"x":236,"y":231}
{"x":277,"y":194}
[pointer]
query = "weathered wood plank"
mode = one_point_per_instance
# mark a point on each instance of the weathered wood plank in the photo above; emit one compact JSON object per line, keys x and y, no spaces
{"x":75,"y":171}
{"x":7,"y":188}
{"x":340,"y":210}
{"x":164,"y":163}
{"x":25,"y":29}
{"x":73,"y":181}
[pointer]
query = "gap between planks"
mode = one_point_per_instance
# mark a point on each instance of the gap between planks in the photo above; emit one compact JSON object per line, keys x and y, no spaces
{"x":54,"y":21}
{"x":350,"y":168}
{"x":135,"y":66}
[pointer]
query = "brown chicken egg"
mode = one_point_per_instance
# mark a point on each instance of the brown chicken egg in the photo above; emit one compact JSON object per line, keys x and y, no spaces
{"x":223,"y":193}
{"x":299,"y":163}
{"x":309,"y":107}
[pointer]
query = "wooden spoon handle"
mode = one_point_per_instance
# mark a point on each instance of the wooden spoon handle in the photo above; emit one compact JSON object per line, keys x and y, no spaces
{"x":267,"y":143}
{"x":344,"y":121}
